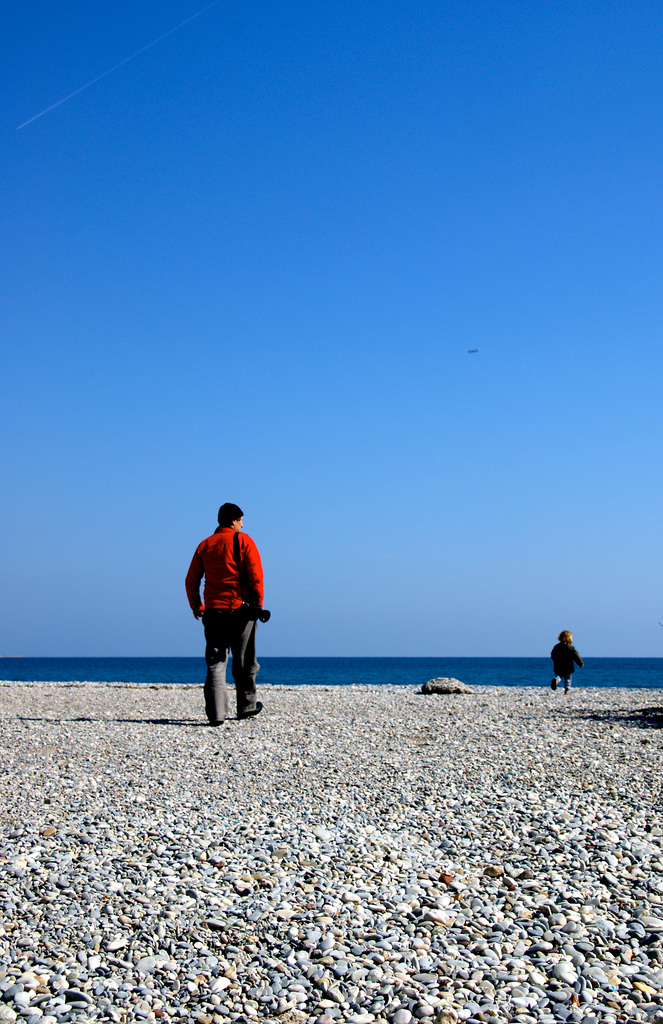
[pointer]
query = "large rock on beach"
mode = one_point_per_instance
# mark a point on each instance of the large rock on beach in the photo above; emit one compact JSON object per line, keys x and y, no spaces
{"x":445,"y":684}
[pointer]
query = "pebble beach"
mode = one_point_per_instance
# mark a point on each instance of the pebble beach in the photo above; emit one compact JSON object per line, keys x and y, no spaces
{"x":360,"y":854}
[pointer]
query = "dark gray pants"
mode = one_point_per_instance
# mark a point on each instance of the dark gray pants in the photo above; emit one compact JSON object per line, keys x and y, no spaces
{"x":234,"y":632}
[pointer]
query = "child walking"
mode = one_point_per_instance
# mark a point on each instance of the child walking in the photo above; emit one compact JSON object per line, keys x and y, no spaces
{"x":563,"y":655}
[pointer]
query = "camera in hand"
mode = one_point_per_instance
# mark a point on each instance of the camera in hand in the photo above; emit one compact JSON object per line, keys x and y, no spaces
{"x":255,"y":612}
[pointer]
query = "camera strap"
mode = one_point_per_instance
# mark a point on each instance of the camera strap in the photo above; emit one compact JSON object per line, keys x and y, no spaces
{"x":238,"y":562}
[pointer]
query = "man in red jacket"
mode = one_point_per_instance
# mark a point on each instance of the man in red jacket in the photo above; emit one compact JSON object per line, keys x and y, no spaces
{"x":230,"y":591}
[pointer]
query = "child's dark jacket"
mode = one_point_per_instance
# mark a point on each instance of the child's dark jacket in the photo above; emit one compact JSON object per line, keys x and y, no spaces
{"x":563,"y":656}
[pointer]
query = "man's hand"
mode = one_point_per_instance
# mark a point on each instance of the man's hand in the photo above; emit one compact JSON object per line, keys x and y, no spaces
{"x":198,"y":614}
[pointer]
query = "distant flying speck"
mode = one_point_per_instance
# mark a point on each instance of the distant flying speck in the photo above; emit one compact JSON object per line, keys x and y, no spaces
{"x":471,"y":351}
{"x":116,"y":66}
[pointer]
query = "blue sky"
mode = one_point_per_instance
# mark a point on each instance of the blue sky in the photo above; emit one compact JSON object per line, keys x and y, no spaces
{"x":248,"y":266}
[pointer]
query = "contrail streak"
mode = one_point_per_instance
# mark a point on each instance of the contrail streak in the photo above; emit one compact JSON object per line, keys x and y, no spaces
{"x":116,"y":66}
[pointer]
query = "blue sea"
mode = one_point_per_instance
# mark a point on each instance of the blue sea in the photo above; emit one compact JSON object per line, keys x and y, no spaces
{"x":632,"y":673}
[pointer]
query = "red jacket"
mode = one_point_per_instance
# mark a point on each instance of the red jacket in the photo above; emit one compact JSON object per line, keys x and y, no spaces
{"x":214,"y":559}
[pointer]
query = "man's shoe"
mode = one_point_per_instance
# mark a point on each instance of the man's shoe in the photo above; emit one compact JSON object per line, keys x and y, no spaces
{"x":251,"y":714}
{"x":553,"y":685}
{"x":215,"y":724}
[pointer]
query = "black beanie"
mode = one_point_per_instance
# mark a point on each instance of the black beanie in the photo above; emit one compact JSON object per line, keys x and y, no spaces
{"x":228,"y":513}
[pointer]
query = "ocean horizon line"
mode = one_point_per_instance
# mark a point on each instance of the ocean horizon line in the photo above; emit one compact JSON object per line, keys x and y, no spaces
{"x":340,"y":670}
{"x":329,"y":657}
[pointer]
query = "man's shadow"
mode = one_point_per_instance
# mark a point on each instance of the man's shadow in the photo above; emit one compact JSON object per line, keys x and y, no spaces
{"x":135,"y":721}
